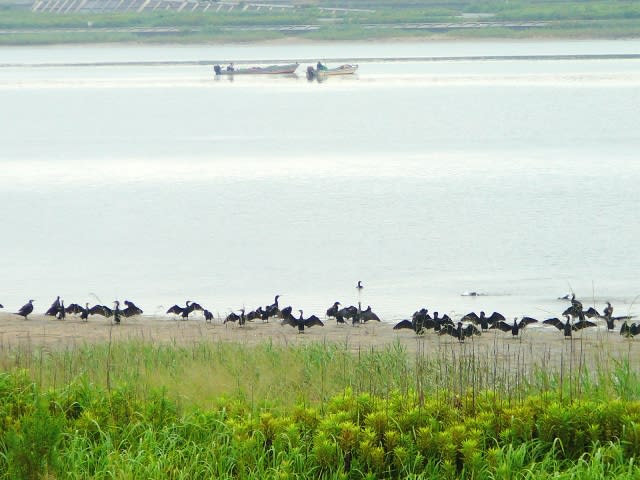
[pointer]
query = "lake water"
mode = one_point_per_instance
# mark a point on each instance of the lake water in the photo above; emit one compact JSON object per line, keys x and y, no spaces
{"x":422,"y":178}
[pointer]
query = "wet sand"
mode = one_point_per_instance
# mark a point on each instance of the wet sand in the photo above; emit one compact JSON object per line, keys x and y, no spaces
{"x":538,"y":345}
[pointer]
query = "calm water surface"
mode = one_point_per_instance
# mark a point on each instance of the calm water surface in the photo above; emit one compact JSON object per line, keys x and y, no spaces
{"x":423,"y":179}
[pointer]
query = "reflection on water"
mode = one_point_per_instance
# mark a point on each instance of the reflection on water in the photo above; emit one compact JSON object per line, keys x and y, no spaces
{"x":518,"y":179}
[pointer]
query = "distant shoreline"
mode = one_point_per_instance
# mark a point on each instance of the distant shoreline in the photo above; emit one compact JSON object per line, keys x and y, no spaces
{"x":142,"y":35}
{"x":463,"y":58}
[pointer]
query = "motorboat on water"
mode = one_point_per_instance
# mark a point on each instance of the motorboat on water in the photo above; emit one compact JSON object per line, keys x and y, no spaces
{"x":267,"y":70}
{"x":346,"y":69}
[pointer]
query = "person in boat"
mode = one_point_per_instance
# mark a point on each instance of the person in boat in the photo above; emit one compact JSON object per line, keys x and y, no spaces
{"x":320,"y":66}
{"x":230,"y":67}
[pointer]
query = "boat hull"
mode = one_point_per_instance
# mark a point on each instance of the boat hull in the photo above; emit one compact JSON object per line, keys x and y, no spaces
{"x":269,"y":70}
{"x":347,"y":69}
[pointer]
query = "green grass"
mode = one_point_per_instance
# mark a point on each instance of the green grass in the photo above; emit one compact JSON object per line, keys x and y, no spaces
{"x":591,"y":19}
{"x":136,"y":409}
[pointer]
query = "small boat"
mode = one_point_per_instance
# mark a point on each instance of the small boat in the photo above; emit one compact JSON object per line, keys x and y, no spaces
{"x":346,"y":69}
{"x":269,"y":70}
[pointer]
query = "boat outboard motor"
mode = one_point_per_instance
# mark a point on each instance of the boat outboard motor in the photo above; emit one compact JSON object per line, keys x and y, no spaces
{"x":217,"y":69}
{"x":310,"y":72}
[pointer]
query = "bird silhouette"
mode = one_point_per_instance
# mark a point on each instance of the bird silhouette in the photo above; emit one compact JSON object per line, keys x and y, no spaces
{"x":591,"y":313}
{"x":185,"y":311}
{"x":566,"y":327}
{"x":575,"y":303}
{"x":346,"y":313}
{"x":302,"y":322}
{"x":101,"y":310}
{"x":482,"y":320}
{"x":73,"y":309}
{"x":234,"y":317}
{"x":629,"y":331}
{"x":54,"y":308}
{"x":273,"y":310}
{"x":418,"y":324}
{"x":608,"y":310}
{"x":26,"y":309}
{"x":515,"y":327}
{"x":84,"y":314}
{"x":117,"y":313}
{"x":367,"y":315}
{"x":334,"y":311}
{"x":131,"y":309}
{"x":62,"y":314}
{"x":460,"y":332}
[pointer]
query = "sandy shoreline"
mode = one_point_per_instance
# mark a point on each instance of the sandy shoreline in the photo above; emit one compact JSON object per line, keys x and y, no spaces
{"x":538,"y":346}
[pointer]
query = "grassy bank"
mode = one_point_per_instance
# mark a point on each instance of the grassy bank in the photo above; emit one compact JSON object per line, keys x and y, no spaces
{"x":595,"y":19}
{"x":226,"y":410}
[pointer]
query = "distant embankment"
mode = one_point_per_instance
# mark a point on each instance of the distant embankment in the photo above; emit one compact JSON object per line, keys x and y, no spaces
{"x":173,"y":30}
{"x":478,"y":58}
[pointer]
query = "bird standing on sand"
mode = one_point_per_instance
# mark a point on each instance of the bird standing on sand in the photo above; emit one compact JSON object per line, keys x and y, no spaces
{"x":131,"y":309}
{"x":61,"y":315}
{"x":234,"y":317}
{"x":73,"y":309}
{"x":84,"y":314}
{"x":54,"y":308}
{"x":334,"y":312}
{"x":608,"y":311}
{"x":116,"y":312}
{"x":302,"y":322}
{"x":366,"y":315}
{"x":516,"y":327}
{"x":566,"y":327}
{"x":461,"y":332}
{"x":629,"y":331}
{"x":26,"y":309}
{"x":482,"y":320}
{"x":184,"y":312}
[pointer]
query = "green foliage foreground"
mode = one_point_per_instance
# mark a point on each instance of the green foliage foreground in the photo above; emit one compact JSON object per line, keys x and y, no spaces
{"x":85,"y":426}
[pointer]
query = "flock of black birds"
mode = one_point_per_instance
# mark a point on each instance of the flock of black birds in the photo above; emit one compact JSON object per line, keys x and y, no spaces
{"x":60,"y":312}
{"x":355,"y":314}
{"x":467,"y":326}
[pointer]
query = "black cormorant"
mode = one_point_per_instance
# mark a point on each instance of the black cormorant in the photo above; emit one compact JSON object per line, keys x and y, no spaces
{"x":566,"y":327}
{"x":302,"y":322}
{"x":62,"y":314}
{"x":482,"y":320}
{"x":131,"y":309}
{"x":73,"y":309}
{"x":26,"y":309}
{"x":84,"y":313}
{"x":460,"y":332}
{"x":629,"y":331}
{"x":366,"y":315}
{"x":608,"y":311}
{"x":516,"y":327}
{"x":116,"y":312}
{"x":101,"y":310}
{"x":186,"y":311}
{"x":54,"y":308}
